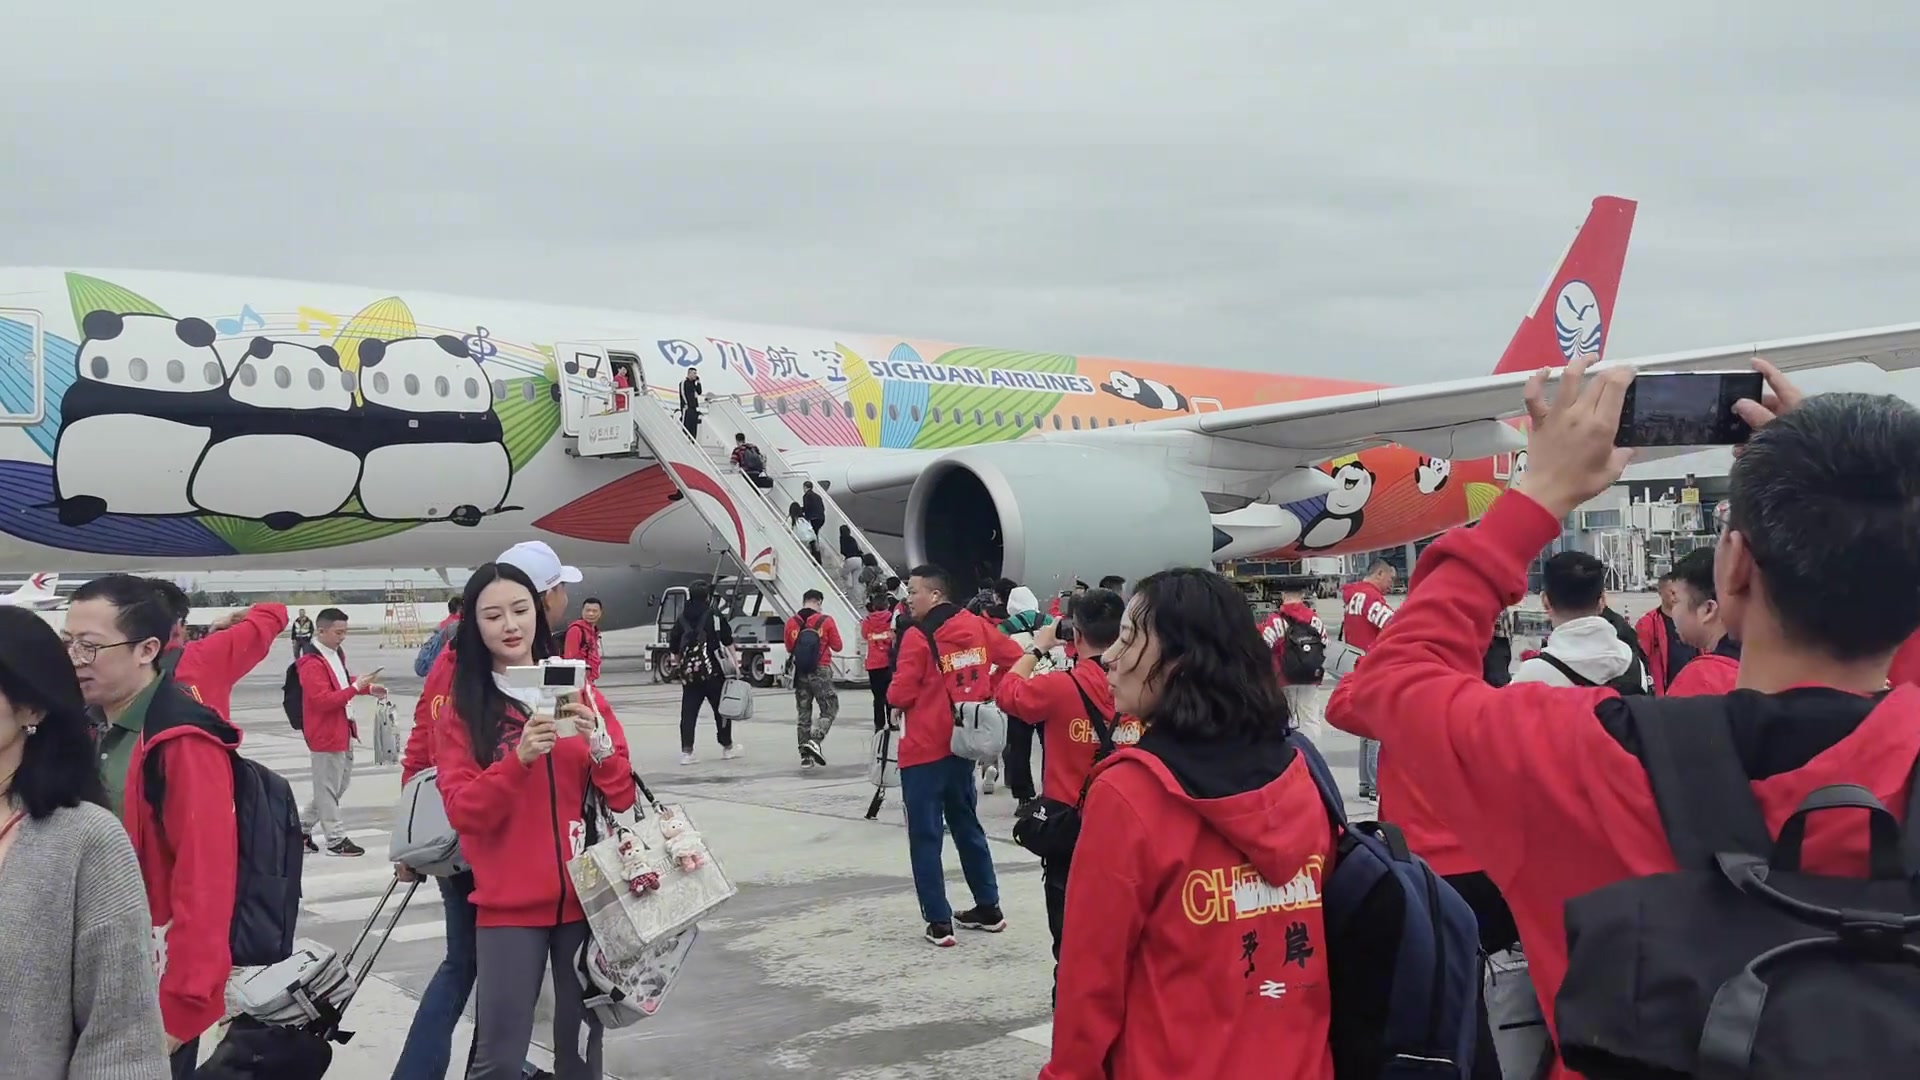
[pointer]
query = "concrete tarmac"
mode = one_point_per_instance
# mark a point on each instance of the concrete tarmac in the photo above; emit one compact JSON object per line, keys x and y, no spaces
{"x":817,"y":968}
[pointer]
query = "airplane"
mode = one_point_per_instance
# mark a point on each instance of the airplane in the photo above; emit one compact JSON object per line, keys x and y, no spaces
{"x":180,"y":421}
{"x":37,"y":592}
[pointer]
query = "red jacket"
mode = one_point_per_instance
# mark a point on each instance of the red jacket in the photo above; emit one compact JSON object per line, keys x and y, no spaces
{"x":520,"y":824}
{"x":1194,"y":943}
{"x":583,"y":643}
{"x":1652,"y":631}
{"x":1716,"y":672}
{"x":1535,"y":778}
{"x":1906,"y":663}
{"x":208,"y":668}
{"x":324,"y":717}
{"x":877,"y":631}
{"x":830,"y":642}
{"x":1364,"y":613}
{"x":1051,"y":703}
{"x":1274,"y":631}
{"x":188,"y":853}
{"x":1402,"y":801}
{"x":971,"y":649}
{"x":434,"y":695}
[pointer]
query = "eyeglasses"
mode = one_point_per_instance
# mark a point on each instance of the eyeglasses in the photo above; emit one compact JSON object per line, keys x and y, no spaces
{"x":86,"y":652}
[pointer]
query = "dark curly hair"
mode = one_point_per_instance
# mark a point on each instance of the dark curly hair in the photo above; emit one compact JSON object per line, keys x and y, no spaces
{"x":1214,"y":674}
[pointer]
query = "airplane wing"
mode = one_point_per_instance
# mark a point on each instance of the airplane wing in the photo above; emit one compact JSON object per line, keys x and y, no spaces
{"x":1461,"y":419}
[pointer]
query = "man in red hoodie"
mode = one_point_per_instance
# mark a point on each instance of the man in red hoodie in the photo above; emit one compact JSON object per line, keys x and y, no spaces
{"x":948,"y":656}
{"x":116,"y":627}
{"x":208,"y":668}
{"x":876,"y":630}
{"x":1660,"y":639}
{"x":1304,"y":701}
{"x":326,"y":686}
{"x":1546,"y":785}
{"x":1715,"y":667}
{"x":813,"y":674}
{"x":1364,"y":613}
{"x":583,"y":638}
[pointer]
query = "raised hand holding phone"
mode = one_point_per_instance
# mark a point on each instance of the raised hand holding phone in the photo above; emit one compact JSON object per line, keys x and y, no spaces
{"x":1571,"y":456}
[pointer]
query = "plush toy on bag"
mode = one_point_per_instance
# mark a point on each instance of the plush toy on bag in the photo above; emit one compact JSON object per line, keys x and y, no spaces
{"x":683,"y":842}
{"x":636,"y":868}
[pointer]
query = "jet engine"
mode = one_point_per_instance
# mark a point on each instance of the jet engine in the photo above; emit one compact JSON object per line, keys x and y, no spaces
{"x":1047,"y":514}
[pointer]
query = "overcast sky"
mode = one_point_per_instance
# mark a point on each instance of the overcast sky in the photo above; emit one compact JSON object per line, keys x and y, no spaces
{"x":1247,"y":183}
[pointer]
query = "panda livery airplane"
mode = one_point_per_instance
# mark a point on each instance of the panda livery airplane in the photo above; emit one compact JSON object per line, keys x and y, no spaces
{"x":163,"y":420}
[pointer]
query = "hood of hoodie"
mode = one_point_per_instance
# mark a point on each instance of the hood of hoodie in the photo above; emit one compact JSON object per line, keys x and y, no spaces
{"x":1021,"y":599}
{"x":1591,"y":646}
{"x":1232,"y":786}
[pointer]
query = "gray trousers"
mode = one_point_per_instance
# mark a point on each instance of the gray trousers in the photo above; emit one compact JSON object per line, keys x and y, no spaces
{"x":332,"y":772}
{"x":809,"y":689}
{"x":511,"y":961}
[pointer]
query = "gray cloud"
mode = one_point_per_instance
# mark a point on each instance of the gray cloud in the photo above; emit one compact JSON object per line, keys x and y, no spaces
{"x":1291,"y":187}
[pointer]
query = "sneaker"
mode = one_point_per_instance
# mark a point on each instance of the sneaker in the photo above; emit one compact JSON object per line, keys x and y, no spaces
{"x":992,"y":773}
{"x":731,"y":752}
{"x":806,"y":763}
{"x":687,"y":758}
{"x":312,"y":848}
{"x":811,"y":749}
{"x":981,"y":917}
{"x":941,"y":935}
{"x":345,"y":848}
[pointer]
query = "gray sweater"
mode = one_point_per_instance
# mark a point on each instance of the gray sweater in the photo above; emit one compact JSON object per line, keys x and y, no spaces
{"x":78,"y":995}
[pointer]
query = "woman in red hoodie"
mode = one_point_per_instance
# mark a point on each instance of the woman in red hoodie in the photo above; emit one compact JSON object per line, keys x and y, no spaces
{"x":1194,"y":943}
{"x":515,"y":780}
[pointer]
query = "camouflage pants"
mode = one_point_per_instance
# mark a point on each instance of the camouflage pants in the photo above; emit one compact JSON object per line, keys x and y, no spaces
{"x":807,"y":690}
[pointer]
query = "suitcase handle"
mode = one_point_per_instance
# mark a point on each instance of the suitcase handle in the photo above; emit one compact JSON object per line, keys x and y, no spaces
{"x":366,"y":966}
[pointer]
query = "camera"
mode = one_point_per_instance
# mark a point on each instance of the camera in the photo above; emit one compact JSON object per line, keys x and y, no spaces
{"x":554,"y":677}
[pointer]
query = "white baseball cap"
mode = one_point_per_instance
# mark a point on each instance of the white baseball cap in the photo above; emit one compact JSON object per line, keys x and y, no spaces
{"x":538,"y":561}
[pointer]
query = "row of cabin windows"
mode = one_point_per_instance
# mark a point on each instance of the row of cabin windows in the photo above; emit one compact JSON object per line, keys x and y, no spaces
{"x":176,"y":372}
{"x":934,"y":416}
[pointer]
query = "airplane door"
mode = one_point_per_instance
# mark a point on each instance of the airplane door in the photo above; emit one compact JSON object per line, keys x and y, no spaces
{"x":23,"y":381}
{"x":586,"y":383}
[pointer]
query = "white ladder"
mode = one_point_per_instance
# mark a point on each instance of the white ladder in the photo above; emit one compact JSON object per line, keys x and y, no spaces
{"x":748,"y":525}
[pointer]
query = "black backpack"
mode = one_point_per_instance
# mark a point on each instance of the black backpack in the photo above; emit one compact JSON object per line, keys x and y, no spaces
{"x":292,"y":698}
{"x":1739,"y":964}
{"x":806,"y":647}
{"x":1303,"y":657}
{"x":270,"y":854}
{"x":1627,"y":684}
{"x":751,"y":461}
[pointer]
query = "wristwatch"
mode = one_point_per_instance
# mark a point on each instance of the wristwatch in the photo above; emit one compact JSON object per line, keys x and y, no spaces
{"x":1037,"y":654}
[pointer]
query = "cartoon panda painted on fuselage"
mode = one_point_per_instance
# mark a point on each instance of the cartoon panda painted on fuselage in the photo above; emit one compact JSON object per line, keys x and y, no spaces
{"x":1431,"y":474}
{"x":136,"y":419}
{"x":1345,"y":509}
{"x":437,"y":449}
{"x":285,"y":451}
{"x":1147,"y":393}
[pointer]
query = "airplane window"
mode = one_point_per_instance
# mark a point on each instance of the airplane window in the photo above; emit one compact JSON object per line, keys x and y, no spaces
{"x":99,"y":367}
{"x":282,"y":377}
{"x":847,"y":406}
{"x":873,"y":413}
{"x":1056,"y":422}
{"x":379,"y":382}
{"x":781,"y":406}
{"x":499,"y":390}
{"x":212,"y":374}
{"x":1020,"y":420}
{"x":137,"y":369}
{"x":999,"y":418}
{"x":959,"y":417}
{"x":1109,"y":421}
{"x":412,"y":383}
{"x":248,"y":375}
{"x":806,"y":407}
{"x":315,"y":379}
{"x":978,"y":419}
{"x":936,"y":414}
{"x":913,"y":413}
{"x":893,"y":412}
{"x":176,"y":371}
{"x":1076,"y":423}
{"x":526,"y":390}
{"x":348,"y":381}
{"x":441,"y":387}
{"x":473,"y":389}
{"x":759,"y":404}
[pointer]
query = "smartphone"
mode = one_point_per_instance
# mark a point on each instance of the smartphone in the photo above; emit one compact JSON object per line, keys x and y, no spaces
{"x":1686,"y":408}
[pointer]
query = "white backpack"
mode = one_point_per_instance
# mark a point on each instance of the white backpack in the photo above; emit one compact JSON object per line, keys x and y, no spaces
{"x":423,"y":839}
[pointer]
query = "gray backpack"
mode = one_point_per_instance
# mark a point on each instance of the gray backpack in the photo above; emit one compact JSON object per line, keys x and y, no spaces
{"x":423,"y":839}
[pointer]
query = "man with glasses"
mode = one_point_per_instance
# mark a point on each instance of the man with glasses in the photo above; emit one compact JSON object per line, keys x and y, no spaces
{"x":183,"y":833}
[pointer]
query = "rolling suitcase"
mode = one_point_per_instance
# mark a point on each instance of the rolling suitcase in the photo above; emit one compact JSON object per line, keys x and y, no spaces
{"x":289,"y":1013}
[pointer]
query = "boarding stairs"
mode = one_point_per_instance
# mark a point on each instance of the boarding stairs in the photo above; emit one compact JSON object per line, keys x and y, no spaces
{"x":760,"y":539}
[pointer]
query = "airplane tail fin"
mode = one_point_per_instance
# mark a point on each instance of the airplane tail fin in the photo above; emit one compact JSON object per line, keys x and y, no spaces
{"x":1574,"y":313}
{"x":37,"y":587}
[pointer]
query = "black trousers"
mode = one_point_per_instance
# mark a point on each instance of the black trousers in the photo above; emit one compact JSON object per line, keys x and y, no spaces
{"x":692,"y":695}
{"x":878,"y":679}
{"x":185,"y":1060}
{"x":1018,"y":760}
{"x":1053,"y":878}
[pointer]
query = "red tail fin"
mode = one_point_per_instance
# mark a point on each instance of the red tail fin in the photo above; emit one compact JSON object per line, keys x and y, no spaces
{"x":1575,"y":312}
